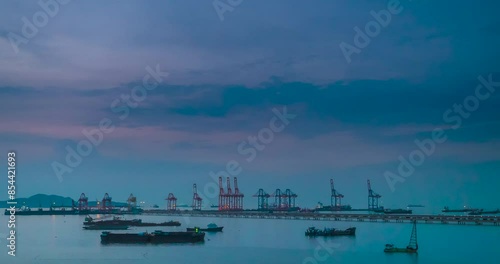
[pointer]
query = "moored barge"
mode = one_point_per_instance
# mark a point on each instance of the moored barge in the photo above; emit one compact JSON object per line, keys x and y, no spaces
{"x":156,"y":237}
{"x":134,"y":222}
{"x":210,"y":228}
{"x":312,"y":231}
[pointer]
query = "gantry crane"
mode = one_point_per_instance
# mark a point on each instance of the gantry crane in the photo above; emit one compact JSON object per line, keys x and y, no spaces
{"x":372,"y":198}
{"x":336,"y":199}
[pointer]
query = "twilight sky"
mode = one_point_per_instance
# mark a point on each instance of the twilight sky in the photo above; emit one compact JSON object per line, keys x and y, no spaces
{"x":352,"y":120}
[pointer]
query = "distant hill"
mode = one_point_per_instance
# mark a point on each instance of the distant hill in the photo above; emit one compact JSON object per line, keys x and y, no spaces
{"x":45,"y":201}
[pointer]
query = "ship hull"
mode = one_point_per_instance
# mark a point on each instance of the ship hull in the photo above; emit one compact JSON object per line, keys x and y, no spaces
{"x":400,"y":250}
{"x":177,"y":237}
{"x":135,"y":222}
{"x":331,"y":232}
{"x":101,"y":227}
{"x":215,"y":229}
{"x":171,"y":223}
{"x":157,"y":237}
{"x":398,"y":211}
{"x":334,"y":208}
{"x":113,"y":222}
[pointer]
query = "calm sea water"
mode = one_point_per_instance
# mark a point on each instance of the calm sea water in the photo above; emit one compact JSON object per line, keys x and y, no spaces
{"x":61,"y":239}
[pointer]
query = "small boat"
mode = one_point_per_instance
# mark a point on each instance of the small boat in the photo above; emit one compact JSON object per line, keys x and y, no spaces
{"x":210,"y":228}
{"x":156,"y":237}
{"x":104,"y":227}
{"x":312,"y":231}
{"x":412,"y":246}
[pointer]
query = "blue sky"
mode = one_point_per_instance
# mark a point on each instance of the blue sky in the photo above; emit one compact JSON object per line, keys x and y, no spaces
{"x":353,"y":120}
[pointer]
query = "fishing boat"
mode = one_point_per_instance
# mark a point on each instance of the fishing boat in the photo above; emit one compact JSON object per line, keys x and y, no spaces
{"x":412,"y":246}
{"x":106,"y":227}
{"x":210,"y":228}
{"x":312,"y":231}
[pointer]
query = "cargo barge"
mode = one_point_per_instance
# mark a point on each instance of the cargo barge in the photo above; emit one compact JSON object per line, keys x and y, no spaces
{"x":333,"y":208}
{"x":157,"y":237}
{"x":465,"y":210}
{"x":210,"y":228}
{"x":412,"y":246}
{"x":117,"y":221}
{"x":169,"y":223}
{"x":312,"y":231}
{"x":482,"y":212}
{"x":397,"y":211}
{"x":106,"y":227}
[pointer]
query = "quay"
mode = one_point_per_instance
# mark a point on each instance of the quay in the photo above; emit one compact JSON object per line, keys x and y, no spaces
{"x":348,"y":217}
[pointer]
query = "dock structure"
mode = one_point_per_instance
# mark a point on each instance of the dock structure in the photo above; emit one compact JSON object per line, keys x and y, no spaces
{"x":106,"y":203}
{"x":373,"y":198}
{"x":283,"y":201}
{"x":229,"y":200}
{"x":380,"y":218}
{"x":83,"y":202}
{"x":336,"y":197}
{"x":262,"y":202}
{"x":132,"y":202}
{"x":171,"y":202}
{"x":197,"y":200}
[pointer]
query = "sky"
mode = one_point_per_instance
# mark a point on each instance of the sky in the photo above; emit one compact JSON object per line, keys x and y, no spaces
{"x":262,"y":90}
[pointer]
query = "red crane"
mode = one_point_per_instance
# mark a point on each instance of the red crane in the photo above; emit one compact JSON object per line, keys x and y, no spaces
{"x":196,"y":199}
{"x":106,"y":202}
{"x":229,"y":195}
{"x":238,"y":196}
{"x":83,"y":202}
{"x":222,"y":195}
{"x":171,"y":202}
